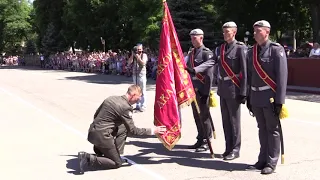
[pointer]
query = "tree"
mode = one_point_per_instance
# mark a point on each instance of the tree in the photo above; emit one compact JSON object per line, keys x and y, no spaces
{"x":122,"y":23}
{"x":49,"y":24}
{"x":15,"y":27}
{"x":314,"y":6}
{"x":284,"y":16}
{"x":188,"y":15}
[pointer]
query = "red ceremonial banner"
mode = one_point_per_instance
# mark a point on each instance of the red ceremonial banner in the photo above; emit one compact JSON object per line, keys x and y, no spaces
{"x":174,"y":88}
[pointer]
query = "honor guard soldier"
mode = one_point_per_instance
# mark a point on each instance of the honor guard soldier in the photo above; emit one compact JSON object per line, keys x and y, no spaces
{"x":202,"y":74}
{"x":267,"y":78}
{"x":108,"y":131}
{"x":232,"y":87}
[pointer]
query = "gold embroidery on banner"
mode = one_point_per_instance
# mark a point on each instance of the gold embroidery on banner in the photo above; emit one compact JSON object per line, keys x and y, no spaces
{"x":164,"y":98}
{"x":181,"y":95}
{"x":171,"y":137}
{"x":163,"y":64}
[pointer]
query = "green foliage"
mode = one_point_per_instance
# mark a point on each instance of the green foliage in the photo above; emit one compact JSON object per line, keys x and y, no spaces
{"x":15,"y":27}
{"x":188,"y":15}
{"x":49,"y":25}
{"x":60,"y":24}
{"x":122,"y":23}
{"x":30,"y":47}
{"x":284,"y":16}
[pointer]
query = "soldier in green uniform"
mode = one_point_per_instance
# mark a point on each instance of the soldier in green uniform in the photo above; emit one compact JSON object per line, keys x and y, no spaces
{"x":232,"y":87}
{"x":267,"y":78}
{"x":201,"y":61}
{"x":109,"y":129}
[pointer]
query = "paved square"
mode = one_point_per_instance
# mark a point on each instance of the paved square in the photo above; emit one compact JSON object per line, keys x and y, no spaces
{"x":45,"y":115}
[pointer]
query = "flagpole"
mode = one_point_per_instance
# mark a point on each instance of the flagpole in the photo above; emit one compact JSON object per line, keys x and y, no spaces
{"x":204,"y":129}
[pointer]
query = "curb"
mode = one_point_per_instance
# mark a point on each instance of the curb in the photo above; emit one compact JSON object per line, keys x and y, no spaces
{"x":310,"y":91}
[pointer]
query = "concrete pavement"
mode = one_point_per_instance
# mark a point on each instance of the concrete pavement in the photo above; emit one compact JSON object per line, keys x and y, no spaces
{"x":44,"y":117}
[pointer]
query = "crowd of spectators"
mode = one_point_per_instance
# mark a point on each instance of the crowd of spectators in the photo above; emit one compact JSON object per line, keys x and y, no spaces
{"x":111,"y":62}
{"x":311,"y":50}
{"x":11,"y":60}
{"x":99,"y":62}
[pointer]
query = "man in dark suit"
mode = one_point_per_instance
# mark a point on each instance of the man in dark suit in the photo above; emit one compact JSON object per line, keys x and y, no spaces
{"x":109,"y":129}
{"x":201,"y":61}
{"x":267,"y":78}
{"x":232,"y":88}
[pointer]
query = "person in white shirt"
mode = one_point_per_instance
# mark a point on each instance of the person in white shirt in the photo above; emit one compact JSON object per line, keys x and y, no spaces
{"x":139,"y":60}
{"x":315,"y":51}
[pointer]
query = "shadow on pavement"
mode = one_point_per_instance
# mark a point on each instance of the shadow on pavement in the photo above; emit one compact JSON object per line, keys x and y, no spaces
{"x":110,"y":79}
{"x":31,"y":68}
{"x":73,"y":166}
{"x":181,"y":157}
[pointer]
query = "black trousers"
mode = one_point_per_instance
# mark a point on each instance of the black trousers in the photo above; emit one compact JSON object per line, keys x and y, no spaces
{"x":111,"y":155}
{"x":269,"y":136}
{"x":203,"y":121}
{"x":230,"y":112}
{"x":42,"y":64}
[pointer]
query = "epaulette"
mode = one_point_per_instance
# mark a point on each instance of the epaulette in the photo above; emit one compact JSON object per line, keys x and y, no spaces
{"x":206,"y":49}
{"x":275,"y":44}
{"x":250,"y":48}
{"x":239,"y":42}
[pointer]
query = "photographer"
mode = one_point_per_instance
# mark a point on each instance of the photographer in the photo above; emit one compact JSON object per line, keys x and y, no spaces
{"x":139,"y":60}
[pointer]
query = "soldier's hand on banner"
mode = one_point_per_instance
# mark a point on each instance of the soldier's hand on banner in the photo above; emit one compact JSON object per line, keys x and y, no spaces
{"x":190,"y":70}
{"x":160,"y":129}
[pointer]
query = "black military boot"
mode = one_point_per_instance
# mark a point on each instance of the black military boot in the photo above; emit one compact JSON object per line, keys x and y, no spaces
{"x":84,"y":160}
{"x":267,"y":170}
{"x":226,"y":153}
{"x":203,"y":147}
{"x":256,"y":166}
{"x":231,"y":156}
{"x":198,"y":144}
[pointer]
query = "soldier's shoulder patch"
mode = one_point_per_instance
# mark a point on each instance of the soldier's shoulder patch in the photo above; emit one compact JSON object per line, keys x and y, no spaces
{"x":130,"y":114}
{"x":245,"y":50}
{"x":281,"y":52}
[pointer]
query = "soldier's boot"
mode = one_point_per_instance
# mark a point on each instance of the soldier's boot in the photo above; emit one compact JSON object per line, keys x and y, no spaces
{"x":203,"y":147}
{"x":256,"y":166}
{"x":125,"y":162}
{"x":226,"y":153}
{"x":267,"y":170}
{"x":231,"y":156}
{"x":198,"y":144}
{"x":84,"y":160}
